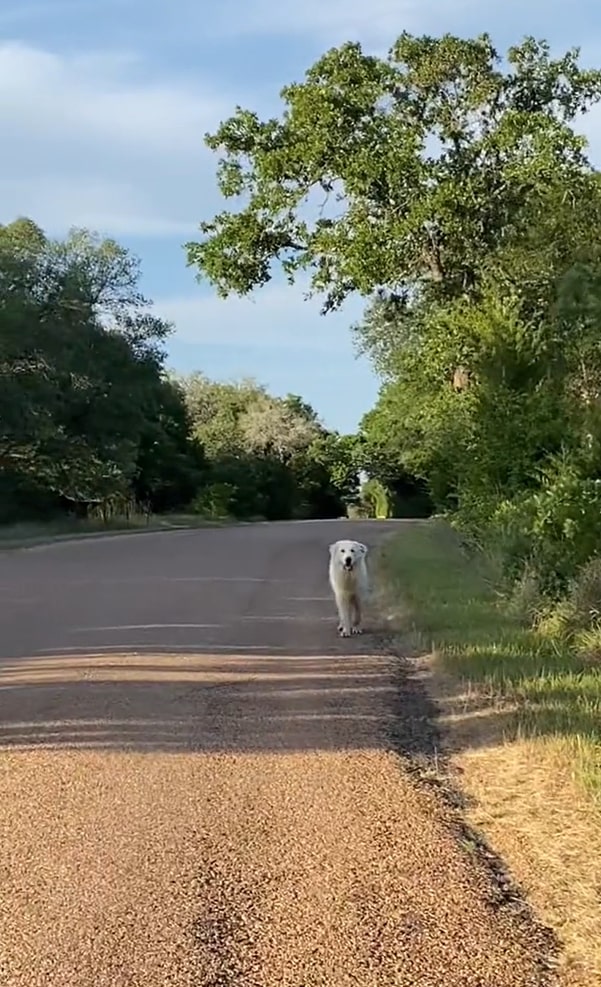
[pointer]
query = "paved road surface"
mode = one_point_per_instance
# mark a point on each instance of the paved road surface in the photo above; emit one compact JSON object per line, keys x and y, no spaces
{"x":196,"y":783}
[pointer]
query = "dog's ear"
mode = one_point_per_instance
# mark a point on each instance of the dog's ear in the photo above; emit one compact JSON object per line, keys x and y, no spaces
{"x":363,"y":548}
{"x":332,"y":547}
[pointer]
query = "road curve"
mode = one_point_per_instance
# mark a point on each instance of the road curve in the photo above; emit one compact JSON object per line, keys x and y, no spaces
{"x":197,"y":783}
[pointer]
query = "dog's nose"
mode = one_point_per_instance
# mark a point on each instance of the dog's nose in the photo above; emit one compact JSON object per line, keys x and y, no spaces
{"x":348,"y":561}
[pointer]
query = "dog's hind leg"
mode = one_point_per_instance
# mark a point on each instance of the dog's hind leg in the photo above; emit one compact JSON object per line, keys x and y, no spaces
{"x":356,"y":615}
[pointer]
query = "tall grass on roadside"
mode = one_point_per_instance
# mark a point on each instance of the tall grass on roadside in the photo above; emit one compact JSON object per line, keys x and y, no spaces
{"x":544,"y":670}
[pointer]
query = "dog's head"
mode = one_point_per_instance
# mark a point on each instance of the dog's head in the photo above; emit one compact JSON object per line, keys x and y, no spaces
{"x":348,"y":553}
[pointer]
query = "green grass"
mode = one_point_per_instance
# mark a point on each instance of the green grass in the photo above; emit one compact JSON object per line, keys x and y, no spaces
{"x":451,"y":599}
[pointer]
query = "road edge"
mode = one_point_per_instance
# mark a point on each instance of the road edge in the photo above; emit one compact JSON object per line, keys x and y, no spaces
{"x":23,"y":544}
{"x":419,"y":742}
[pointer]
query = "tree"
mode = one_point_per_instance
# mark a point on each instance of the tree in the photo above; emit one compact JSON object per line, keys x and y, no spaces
{"x":100,"y":273}
{"x":170,"y":463}
{"x":340,"y":456}
{"x":81,"y":367}
{"x":215,"y":409}
{"x":265,"y":455}
{"x":433,"y":160}
{"x":301,"y":408}
{"x":275,"y":426}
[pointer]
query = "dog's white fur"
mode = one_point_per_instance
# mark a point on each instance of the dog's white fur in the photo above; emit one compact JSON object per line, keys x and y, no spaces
{"x":349,"y":582}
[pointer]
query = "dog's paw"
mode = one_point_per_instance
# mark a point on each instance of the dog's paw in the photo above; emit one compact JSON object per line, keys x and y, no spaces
{"x":357,"y":630}
{"x":343,"y":631}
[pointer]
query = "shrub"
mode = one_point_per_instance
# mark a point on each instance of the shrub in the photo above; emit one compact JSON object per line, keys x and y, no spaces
{"x":214,"y":501}
{"x":376,"y":498}
{"x":552,"y":531}
{"x":576,"y":618}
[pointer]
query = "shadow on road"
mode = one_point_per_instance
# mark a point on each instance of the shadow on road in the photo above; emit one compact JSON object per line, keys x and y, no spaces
{"x":208,"y":703}
{"x":204,"y":641}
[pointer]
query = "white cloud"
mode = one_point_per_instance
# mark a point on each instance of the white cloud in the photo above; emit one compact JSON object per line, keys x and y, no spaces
{"x":89,"y":140}
{"x":276,"y":317}
{"x":282,"y":341}
{"x":99,"y":96}
{"x":329,"y":23}
{"x":109,"y":207}
{"x":379,"y":23}
{"x":102,"y":138}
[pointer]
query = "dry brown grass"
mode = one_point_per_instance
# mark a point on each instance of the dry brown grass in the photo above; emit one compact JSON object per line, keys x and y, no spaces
{"x":517,"y":737}
{"x":525,"y":799}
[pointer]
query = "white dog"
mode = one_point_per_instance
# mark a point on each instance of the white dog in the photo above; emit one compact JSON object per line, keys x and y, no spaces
{"x":349,"y":582}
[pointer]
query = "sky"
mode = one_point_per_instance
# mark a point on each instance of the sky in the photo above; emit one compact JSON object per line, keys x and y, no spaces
{"x":103,"y":109}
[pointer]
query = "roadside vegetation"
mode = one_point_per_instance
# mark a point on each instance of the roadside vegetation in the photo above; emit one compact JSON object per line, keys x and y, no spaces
{"x":452,"y":190}
{"x":27,"y":533}
{"x":519,"y":696}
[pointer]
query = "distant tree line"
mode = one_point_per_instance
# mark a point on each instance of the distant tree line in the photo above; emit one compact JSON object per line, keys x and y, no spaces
{"x":93,"y":424}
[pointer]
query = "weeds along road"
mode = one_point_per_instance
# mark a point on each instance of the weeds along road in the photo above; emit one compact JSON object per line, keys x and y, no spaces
{"x":197,"y":781}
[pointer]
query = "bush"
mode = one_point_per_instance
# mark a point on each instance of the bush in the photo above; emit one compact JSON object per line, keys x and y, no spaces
{"x":550,"y":532}
{"x":357,"y":512}
{"x":576,"y":618}
{"x":214,"y":501}
{"x":376,"y":499}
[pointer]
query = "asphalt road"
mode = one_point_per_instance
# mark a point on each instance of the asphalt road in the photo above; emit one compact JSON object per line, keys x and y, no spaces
{"x":197,"y":781}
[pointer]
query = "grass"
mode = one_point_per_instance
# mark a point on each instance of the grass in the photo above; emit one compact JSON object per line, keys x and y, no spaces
{"x":30,"y":533}
{"x":521,"y":711}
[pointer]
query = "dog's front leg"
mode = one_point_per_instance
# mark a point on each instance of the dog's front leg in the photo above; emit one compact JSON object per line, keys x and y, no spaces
{"x":356,"y":627}
{"x":344,"y":616}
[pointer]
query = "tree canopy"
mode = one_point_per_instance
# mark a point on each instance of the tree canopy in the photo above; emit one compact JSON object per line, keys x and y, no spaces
{"x":268,"y":456}
{"x":399,"y":174}
{"x":81,"y":358}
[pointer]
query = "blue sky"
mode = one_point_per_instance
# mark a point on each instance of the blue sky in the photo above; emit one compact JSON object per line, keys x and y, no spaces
{"x":103,"y":107}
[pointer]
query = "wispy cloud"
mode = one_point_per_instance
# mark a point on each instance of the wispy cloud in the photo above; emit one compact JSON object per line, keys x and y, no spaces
{"x":110,"y":135}
{"x":103,"y":96}
{"x":332,"y":22}
{"x":277,"y":318}
{"x":93,"y":139}
{"x":280,"y":339}
{"x":112,"y":208}
{"x":376,"y":24}
{"x":114,"y":138}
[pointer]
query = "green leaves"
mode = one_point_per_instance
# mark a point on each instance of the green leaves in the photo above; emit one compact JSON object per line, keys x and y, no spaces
{"x":273,"y":454}
{"x":80,"y":368}
{"x":404,"y":173}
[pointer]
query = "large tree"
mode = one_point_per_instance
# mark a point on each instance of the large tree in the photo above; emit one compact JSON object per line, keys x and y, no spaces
{"x":402,"y":174}
{"x":266,"y":455}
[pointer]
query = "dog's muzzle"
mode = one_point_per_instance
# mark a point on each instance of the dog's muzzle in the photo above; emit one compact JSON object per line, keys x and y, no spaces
{"x":348,"y":564}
